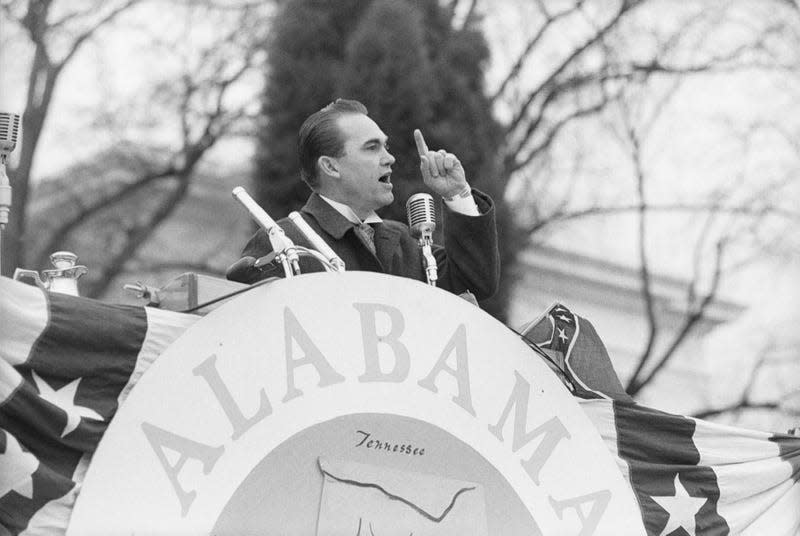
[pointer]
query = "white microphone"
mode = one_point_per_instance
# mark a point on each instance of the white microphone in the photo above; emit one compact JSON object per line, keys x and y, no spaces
{"x":9,"y":130}
{"x":421,"y":213}
{"x":277,"y":237}
{"x":316,"y":241}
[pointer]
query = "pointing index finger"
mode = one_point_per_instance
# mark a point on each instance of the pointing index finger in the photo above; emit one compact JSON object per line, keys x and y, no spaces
{"x":422,"y":147}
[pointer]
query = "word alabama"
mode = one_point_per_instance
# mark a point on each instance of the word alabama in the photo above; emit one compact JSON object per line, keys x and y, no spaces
{"x":385,"y":358}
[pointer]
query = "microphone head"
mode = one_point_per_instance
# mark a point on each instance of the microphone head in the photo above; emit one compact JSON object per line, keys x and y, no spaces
{"x":421,"y":213}
{"x":9,"y":130}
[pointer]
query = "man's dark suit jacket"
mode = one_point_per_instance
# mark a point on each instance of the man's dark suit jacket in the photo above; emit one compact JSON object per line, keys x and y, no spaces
{"x":469,"y":259}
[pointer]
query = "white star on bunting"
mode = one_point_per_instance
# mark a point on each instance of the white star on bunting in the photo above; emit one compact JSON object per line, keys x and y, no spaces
{"x":16,"y":469}
{"x":64,"y":398}
{"x":681,"y":509}
{"x":562,"y":335}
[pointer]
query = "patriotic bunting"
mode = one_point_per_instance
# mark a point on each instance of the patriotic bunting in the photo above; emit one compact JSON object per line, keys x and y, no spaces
{"x":67,"y":363}
{"x":690,"y":477}
{"x":699,"y":478}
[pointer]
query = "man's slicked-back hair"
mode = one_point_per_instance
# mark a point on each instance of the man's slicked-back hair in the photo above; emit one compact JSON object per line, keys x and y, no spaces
{"x":319,"y":136}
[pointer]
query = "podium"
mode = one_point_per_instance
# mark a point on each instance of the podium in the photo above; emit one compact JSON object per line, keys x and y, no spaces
{"x":189,"y":291}
{"x":353,"y":403}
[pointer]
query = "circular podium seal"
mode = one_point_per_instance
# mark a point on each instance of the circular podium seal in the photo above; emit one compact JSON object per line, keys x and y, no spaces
{"x":352,"y":404}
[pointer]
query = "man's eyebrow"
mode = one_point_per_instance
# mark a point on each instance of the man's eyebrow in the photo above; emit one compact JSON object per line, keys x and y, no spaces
{"x":382,"y":140}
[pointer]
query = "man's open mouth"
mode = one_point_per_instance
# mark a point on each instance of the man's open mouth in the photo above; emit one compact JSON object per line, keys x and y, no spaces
{"x":386,"y":178}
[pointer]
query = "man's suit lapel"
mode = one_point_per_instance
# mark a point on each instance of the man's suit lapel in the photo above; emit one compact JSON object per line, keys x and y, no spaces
{"x":328,"y":217}
{"x":387,"y":242}
{"x":336,"y":225}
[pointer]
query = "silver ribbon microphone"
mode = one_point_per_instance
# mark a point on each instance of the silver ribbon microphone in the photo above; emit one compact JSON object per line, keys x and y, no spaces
{"x":9,"y":130}
{"x":421,"y":213}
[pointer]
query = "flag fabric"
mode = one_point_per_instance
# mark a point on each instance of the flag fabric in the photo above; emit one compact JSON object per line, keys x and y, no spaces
{"x":695,"y":477}
{"x":575,"y":348}
{"x":689,"y":476}
{"x":66,"y":364}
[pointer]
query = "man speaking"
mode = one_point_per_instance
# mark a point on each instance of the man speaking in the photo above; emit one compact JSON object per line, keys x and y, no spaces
{"x":344,"y":159}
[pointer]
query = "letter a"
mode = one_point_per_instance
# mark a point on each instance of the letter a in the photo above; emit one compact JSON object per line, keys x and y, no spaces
{"x":599,"y":502}
{"x":160,"y":438}
{"x":457,"y":342}
{"x":370,"y":339}
{"x":208,"y":370}
{"x":293,"y":331}
{"x":552,"y":430}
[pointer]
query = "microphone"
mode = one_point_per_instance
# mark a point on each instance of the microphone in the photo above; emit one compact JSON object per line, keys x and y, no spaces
{"x":277,"y":237}
{"x":9,"y":130}
{"x":316,"y":241}
{"x":422,"y":222}
{"x":421,"y":216}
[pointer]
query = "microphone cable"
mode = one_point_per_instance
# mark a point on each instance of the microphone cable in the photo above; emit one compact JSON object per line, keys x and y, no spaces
{"x":229,"y":295}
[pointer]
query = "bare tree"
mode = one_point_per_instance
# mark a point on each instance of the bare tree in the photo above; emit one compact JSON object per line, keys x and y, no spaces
{"x":57,"y":33}
{"x":703,"y":284}
{"x":575,"y":65}
{"x":550,"y":89}
{"x":781,"y":401}
{"x":197,"y":102}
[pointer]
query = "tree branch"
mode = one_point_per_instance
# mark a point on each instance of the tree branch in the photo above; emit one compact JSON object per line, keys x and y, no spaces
{"x":694,"y":315}
{"x":560,"y":217}
{"x":136,"y":236}
{"x":516,"y":68}
{"x":744,"y":401}
{"x":86,"y":34}
{"x":552,"y":133}
{"x":470,"y":14}
{"x":66,"y":228}
{"x":73,"y":16}
{"x":644,"y":268}
{"x":551,"y":80}
{"x":735,"y":407}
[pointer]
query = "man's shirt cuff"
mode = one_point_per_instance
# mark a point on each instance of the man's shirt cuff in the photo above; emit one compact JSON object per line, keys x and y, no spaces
{"x":464,"y":205}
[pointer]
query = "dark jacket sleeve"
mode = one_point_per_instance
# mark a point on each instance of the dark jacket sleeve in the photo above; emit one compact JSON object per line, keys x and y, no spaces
{"x":470,"y":258}
{"x":258,"y":246}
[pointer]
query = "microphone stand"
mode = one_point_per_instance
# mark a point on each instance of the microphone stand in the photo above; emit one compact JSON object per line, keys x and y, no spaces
{"x":324,"y":254}
{"x":5,"y":203}
{"x":431,"y":273}
{"x":286,"y":251}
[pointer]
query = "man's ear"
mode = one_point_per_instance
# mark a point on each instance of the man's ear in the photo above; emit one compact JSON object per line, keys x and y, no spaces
{"x":328,"y":165}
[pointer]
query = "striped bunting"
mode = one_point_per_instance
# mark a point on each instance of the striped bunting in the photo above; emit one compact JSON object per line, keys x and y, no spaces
{"x":66,"y":364}
{"x":690,"y":477}
{"x":699,"y":478}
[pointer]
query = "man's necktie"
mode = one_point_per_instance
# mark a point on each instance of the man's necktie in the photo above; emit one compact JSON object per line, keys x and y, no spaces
{"x":366,"y":234}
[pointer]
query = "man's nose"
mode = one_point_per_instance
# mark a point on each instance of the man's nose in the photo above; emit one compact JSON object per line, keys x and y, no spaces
{"x":388,"y":158}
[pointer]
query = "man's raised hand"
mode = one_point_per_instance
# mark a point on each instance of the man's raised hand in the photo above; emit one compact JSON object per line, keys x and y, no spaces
{"x":441,"y":171}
